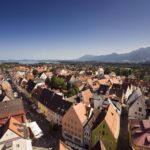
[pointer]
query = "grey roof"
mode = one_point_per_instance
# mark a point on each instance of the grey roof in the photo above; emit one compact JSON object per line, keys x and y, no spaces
{"x":141,"y":99}
{"x":54,"y":102}
{"x":136,"y":93}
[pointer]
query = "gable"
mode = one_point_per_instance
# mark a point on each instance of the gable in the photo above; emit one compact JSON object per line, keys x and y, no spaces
{"x":71,"y":115}
{"x":8,"y":135}
{"x":138,"y":107}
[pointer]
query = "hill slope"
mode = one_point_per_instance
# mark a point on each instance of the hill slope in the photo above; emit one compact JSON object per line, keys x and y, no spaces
{"x":139,"y":55}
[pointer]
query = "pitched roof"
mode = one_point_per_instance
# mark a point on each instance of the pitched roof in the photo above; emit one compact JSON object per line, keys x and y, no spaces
{"x":59,"y":105}
{"x":103,"y":81}
{"x":140,"y":133}
{"x":37,"y":92}
{"x":30,"y":77}
{"x":86,"y":95}
{"x":54,"y":102}
{"x":140,"y":99}
{"x":99,"y":119}
{"x":134,"y":96}
{"x":81,"y":112}
{"x":112,"y":119}
{"x":10,"y":108}
{"x":46,"y":96}
{"x":16,"y":127}
{"x":93,"y":118}
{"x":30,"y":85}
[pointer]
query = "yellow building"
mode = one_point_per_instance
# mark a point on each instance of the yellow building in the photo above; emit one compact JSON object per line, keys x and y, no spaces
{"x":43,"y":109}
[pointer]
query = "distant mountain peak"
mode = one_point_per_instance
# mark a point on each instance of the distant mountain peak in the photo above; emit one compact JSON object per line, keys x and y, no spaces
{"x":138,"y":55}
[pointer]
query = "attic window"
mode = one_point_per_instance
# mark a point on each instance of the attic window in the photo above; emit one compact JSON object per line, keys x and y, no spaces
{"x":112,"y":113}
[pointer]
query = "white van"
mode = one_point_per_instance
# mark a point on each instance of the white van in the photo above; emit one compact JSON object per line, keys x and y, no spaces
{"x":37,"y":132}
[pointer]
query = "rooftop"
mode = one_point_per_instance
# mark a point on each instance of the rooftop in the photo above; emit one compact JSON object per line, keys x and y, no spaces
{"x":12,"y":107}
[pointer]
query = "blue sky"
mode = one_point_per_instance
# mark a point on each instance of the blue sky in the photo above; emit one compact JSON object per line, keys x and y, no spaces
{"x":66,"y":29}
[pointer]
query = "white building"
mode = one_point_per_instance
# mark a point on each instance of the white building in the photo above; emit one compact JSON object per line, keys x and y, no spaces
{"x":136,"y":105}
{"x":15,"y":136}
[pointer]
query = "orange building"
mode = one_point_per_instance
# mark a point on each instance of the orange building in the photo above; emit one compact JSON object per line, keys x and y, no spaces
{"x":73,"y":123}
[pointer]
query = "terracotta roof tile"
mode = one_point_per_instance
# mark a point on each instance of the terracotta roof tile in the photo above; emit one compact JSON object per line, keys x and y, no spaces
{"x":113,"y":120}
{"x":80,"y":110}
{"x":86,"y":96}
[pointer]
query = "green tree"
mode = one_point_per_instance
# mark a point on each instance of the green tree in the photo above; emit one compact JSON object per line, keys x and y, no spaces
{"x":58,"y":83}
{"x":108,"y":70}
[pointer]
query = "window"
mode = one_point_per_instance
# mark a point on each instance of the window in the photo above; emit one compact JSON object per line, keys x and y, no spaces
{"x":103,"y":126}
{"x":77,"y":140}
{"x":103,"y":132}
{"x":112,"y":113}
{"x":140,"y":109}
{"x":17,"y":145}
{"x":69,"y":136}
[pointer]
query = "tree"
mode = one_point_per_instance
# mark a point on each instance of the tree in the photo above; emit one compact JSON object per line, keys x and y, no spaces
{"x":35,"y":72}
{"x":108,"y":70}
{"x":58,"y":83}
{"x":72,"y":91}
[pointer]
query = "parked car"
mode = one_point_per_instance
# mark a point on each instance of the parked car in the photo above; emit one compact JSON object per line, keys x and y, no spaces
{"x":15,"y":94}
{"x":37,"y":132}
{"x":33,"y":106}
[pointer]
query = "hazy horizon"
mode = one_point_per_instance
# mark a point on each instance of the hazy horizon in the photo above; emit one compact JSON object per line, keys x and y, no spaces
{"x":57,"y":59}
{"x":67,"y":29}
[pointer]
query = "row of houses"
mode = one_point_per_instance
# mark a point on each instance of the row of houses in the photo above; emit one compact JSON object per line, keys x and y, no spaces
{"x":90,"y":118}
{"x":83,"y":125}
{"x":139,"y":123}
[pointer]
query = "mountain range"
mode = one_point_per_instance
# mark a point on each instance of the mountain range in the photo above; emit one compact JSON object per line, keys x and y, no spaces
{"x":139,"y":55}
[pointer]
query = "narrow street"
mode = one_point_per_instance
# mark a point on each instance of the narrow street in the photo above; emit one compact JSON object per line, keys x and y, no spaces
{"x":48,"y":140}
{"x":123,"y":141}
